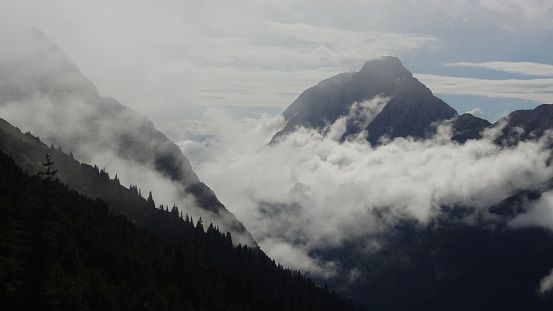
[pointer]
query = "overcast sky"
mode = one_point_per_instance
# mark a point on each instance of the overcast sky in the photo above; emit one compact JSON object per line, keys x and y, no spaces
{"x":173,"y":59}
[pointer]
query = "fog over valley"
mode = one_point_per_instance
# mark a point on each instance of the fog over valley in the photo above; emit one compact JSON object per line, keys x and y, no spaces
{"x":310,"y":192}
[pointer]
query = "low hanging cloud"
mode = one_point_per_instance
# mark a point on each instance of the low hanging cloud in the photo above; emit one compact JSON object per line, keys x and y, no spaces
{"x":78,"y":127}
{"x":66,"y":122}
{"x":360,"y":115}
{"x":310,"y":192}
{"x":546,"y":284}
{"x":541,"y":214}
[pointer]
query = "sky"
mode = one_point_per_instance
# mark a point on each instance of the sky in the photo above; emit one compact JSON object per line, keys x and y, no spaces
{"x":173,"y":60}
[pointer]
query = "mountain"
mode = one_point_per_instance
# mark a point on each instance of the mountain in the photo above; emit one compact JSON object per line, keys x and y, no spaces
{"x":407,"y":107}
{"x":449,"y":265}
{"x":62,"y":250}
{"x":518,"y":126}
{"x":43,"y":91}
{"x":384,"y":100}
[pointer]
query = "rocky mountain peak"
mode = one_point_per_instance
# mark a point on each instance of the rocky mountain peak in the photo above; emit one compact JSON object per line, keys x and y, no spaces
{"x":388,"y":66}
{"x":410,"y":110}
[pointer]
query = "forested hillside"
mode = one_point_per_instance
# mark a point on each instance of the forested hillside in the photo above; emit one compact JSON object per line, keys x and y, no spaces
{"x":61,"y":250}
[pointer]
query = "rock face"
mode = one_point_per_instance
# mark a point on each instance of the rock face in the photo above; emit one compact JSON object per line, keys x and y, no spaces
{"x":411,"y":108}
{"x":468,"y":127}
{"x":43,"y":91}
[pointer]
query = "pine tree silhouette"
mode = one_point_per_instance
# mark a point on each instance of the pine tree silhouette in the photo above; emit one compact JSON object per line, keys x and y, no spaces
{"x":48,"y":173}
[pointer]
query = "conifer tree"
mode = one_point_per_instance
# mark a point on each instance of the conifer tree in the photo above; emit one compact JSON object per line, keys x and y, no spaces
{"x":200,"y":225}
{"x":150,"y":201}
{"x":49,"y":172}
{"x":175,"y":210}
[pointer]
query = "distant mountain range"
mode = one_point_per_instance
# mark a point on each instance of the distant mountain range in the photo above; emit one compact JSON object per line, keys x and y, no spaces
{"x":396,"y":105}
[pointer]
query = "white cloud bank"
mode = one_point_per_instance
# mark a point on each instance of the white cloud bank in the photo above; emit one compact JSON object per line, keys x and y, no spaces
{"x":525,"y":68}
{"x":539,"y":90}
{"x":311,"y":192}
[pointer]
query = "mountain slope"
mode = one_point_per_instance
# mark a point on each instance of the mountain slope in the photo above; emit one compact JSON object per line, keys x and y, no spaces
{"x":28,"y":152}
{"x":468,"y":127}
{"x":453,"y":266}
{"x":43,"y":91}
{"x":62,"y":250}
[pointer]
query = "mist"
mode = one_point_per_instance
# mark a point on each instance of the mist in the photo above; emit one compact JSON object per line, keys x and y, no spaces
{"x":312,"y":192}
{"x":74,"y":125}
{"x":43,"y":92}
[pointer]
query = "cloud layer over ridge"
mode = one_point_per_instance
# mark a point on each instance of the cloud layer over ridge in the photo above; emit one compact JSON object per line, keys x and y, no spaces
{"x":310,"y":192}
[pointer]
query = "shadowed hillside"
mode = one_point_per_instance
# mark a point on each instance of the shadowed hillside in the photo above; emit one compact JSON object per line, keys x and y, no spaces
{"x":62,"y":250}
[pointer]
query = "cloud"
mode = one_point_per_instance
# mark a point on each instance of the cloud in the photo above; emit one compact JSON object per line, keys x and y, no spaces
{"x":546,"y":284}
{"x":475,"y":112}
{"x":360,"y":115}
{"x":507,"y":14}
{"x":290,"y":256}
{"x":525,"y":68}
{"x":539,"y":214}
{"x":65,"y":122}
{"x":312,"y":192}
{"x":539,"y":90}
